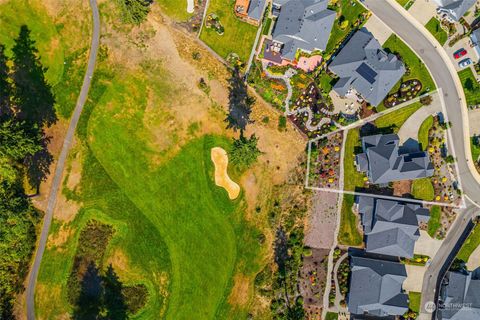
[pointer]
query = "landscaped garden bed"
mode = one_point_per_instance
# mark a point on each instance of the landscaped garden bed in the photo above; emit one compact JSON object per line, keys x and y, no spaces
{"x":325,"y":161}
{"x":213,"y":22}
{"x":271,"y":90}
{"x":407,"y":91}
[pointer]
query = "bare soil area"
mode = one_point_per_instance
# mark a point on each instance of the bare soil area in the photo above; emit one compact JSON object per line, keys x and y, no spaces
{"x":320,"y":231}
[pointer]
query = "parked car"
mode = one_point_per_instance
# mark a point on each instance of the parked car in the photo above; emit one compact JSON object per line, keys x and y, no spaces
{"x":459,"y":53}
{"x":464,"y":63}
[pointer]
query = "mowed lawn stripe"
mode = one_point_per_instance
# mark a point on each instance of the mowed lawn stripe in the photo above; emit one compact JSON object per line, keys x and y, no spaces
{"x":178,"y":197}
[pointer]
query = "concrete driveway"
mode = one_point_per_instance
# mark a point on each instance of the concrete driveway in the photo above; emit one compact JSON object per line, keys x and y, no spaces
{"x":423,"y":10}
{"x":426,"y":245}
{"x":379,"y":29}
{"x":474,"y":119}
{"x":414,"y":279}
{"x":409,"y":129}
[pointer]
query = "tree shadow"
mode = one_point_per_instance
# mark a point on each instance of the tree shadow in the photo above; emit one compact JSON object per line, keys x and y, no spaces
{"x":5,"y":86}
{"x":239,"y":103}
{"x":100,"y":296}
{"x":33,"y":102}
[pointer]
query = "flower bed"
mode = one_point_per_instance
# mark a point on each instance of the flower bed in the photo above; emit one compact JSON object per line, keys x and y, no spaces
{"x":213,"y":22}
{"x":408,"y":90}
{"x":325,"y":161}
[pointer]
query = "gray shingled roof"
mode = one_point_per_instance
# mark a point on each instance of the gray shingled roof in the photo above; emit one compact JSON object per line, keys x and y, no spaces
{"x":475,"y":37}
{"x":302,"y":24}
{"x":376,"y":287}
{"x":461,"y":297}
{"x":256,"y":8}
{"x":386,"y":164}
{"x":390,"y":227}
{"x":455,"y":9}
{"x":364,"y":66}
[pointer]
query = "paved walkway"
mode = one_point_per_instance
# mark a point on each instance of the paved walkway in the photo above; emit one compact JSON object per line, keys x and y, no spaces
{"x":57,"y":177}
{"x":409,"y":129}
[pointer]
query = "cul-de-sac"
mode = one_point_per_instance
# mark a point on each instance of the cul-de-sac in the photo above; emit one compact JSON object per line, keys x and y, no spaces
{"x":240,"y":159}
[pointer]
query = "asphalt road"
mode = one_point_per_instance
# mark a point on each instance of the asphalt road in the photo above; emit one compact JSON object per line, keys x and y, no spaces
{"x":57,"y":178}
{"x":438,"y":64}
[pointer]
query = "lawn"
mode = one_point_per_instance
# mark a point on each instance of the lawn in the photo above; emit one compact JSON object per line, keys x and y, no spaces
{"x":355,"y":179}
{"x":350,"y":10}
{"x":331,"y":316}
{"x":175,"y":9}
{"x":472,"y":242}
{"x":475,"y":149}
{"x":348,"y":233}
{"x":423,"y":132}
{"x":436,"y":30}
{"x":434,"y":223}
{"x":396,"y":119}
{"x":416,"y":68}
{"x":470,"y":86}
{"x":239,"y":36}
{"x":423,"y":189}
{"x":414,"y":301}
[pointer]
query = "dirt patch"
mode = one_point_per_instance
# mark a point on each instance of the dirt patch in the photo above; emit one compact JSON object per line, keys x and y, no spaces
{"x":320,"y":227}
{"x":401,"y":188}
{"x":118,"y":260}
{"x":60,"y":238}
{"x":75,"y":173}
{"x":65,"y":210}
{"x":241,"y":290}
{"x":220,"y":160}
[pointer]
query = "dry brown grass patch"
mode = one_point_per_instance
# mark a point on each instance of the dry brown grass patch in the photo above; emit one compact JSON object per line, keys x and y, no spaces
{"x":60,"y":238}
{"x":240,"y":294}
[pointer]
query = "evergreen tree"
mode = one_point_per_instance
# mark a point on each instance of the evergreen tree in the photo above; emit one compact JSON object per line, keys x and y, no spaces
{"x":244,"y":151}
{"x":5,"y":86}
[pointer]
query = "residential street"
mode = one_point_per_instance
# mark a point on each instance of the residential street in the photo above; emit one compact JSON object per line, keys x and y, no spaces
{"x":443,"y":72}
{"x":57,"y":178}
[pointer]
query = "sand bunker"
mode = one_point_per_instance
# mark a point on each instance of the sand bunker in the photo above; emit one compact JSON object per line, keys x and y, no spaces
{"x":190,"y":6}
{"x":220,"y":160}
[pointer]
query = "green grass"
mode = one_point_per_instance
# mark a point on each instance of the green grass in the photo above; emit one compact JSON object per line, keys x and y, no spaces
{"x":349,"y":12}
{"x":348,"y":233}
{"x":414,"y":301}
{"x":417,"y":69}
{"x":434,"y":223}
{"x":436,"y":30}
{"x":423,"y":189}
{"x":355,"y":178}
{"x":239,"y":36}
{"x":266,"y":26}
{"x":423,"y":132}
{"x":470,"y":86}
{"x":396,"y":119}
{"x":472,"y":242}
{"x":175,"y":9}
{"x":407,"y":4}
{"x":331,"y":316}
{"x":475,"y":149}
{"x":326,"y":82}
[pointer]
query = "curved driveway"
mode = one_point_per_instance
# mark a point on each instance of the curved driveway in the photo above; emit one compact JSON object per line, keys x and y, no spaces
{"x":445,"y":77}
{"x":57,"y":178}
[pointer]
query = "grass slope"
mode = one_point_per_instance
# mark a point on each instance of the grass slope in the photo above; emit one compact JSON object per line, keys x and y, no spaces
{"x":433,"y":25}
{"x":239,"y":36}
{"x":396,"y":119}
{"x":434,"y":223}
{"x":417,"y":69}
{"x":414,"y":303}
{"x":475,"y":149}
{"x":423,"y":189}
{"x":203,"y":230}
{"x":472,"y":242}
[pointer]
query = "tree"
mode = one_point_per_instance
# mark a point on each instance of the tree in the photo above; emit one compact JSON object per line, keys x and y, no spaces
{"x":426,"y":100}
{"x":32,"y":95}
{"x":244,"y":151}
{"x":239,"y":104}
{"x":134,"y":11}
{"x":5,"y":86}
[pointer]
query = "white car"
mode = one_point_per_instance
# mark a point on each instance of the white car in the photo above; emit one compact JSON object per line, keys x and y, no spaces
{"x":464,"y":63}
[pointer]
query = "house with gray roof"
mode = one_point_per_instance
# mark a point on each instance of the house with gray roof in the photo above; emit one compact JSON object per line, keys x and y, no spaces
{"x":454,"y":9}
{"x":475,"y":37}
{"x":250,"y":10}
{"x":363,"y":66}
{"x":376,"y":287}
{"x":460,"y":296}
{"x":383,"y":162}
{"x":391,"y":227}
{"x":301,"y":25}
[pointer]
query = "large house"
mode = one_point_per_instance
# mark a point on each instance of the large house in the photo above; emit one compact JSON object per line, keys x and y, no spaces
{"x":454,"y":9}
{"x":376,"y":288}
{"x":475,"y":37}
{"x":250,"y":10}
{"x":300,"y":25}
{"x":365,"y":68}
{"x":391,"y":227}
{"x":383,"y":162}
{"x":460,"y":297}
